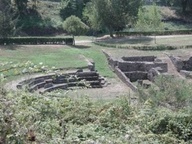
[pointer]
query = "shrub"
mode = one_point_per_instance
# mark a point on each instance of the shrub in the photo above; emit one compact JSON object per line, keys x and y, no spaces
{"x":169,"y":92}
{"x":73,"y":25}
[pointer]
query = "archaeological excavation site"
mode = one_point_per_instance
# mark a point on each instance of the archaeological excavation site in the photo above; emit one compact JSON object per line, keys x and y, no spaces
{"x":133,"y":71}
{"x":137,"y":71}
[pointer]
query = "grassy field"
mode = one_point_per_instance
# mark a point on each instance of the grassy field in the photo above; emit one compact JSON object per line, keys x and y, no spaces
{"x":148,"y":40}
{"x":57,"y":56}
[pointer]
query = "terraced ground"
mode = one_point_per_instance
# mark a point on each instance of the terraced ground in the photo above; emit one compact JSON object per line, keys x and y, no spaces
{"x":73,"y":56}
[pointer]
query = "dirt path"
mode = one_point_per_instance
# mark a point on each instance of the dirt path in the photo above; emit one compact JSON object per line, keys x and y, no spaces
{"x":116,"y":88}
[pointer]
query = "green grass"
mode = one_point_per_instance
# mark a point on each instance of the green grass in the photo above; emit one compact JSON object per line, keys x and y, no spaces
{"x":57,"y":56}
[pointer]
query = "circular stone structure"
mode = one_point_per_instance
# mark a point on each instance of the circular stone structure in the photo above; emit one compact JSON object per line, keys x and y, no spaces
{"x":82,"y":78}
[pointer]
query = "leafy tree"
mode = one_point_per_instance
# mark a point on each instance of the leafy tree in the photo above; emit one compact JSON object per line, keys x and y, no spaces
{"x":149,"y":19}
{"x":21,"y":6}
{"x":72,"y":7}
{"x":112,"y":14}
{"x":91,"y":16}
{"x":75,"y":26}
{"x":7,"y":18}
{"x":184,"y":5}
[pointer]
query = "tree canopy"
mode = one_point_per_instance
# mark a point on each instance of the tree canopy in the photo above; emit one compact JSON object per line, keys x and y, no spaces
{"x":7,"y":18}
{"x":112,"y":14}
{"x":150,"y":20}
{"x":73,"y":25}
{"x":72,"y":7}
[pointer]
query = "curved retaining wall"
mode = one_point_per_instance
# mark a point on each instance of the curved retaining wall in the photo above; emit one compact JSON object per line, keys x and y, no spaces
{"x":65,"y":81}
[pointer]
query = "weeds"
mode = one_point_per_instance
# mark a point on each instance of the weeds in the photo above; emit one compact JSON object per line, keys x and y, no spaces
{"x":162,"y":115}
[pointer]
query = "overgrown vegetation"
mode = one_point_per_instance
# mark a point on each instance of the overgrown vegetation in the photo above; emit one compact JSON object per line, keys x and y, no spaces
{"x":7,"y":19}
{"x":27,"y":117}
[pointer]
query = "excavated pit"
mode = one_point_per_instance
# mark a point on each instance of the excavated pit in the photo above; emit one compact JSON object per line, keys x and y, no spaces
{"x":140,"y":69}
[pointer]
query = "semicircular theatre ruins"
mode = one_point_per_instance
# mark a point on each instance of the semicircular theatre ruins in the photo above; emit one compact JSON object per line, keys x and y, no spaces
{"x":86,"y":77}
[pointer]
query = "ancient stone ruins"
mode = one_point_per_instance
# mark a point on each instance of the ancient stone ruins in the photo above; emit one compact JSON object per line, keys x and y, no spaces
{"x":47,"y":83}
{"x":144,"y":69}
{"x":140,"y":69}
{"x":183,"y":65}
{"x":86,"y":77}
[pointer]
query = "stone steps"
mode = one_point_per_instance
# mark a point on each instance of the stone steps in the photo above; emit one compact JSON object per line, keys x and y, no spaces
{"x":47,"y":83}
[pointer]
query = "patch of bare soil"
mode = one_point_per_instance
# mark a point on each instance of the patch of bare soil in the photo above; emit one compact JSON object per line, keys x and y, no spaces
{"x":116,"y":88}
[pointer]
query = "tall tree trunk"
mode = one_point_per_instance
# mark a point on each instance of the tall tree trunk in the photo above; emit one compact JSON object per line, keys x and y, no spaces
{"x":111,"y":32}
{"x":73,"y":40}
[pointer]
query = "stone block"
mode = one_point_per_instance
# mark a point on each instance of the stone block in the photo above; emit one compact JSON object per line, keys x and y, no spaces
{"x":178,"y":63}
{"x":140,"y":58}
{"x":131,"y":66}
{"x":136,"y":75}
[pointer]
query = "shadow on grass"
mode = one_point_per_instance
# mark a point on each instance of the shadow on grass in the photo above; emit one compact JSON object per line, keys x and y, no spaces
{"x":80,"y":46}
{"x":9,"y":47}
{"x":129,"y":40}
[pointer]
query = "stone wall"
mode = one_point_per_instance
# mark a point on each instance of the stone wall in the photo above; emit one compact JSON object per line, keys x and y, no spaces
{"x":141,"y":66}
{"x":188,"y":64}
{"x":111,"y":61}
{"x":140,"y":58}
{"x":137,"y":68}
{"x":125,"y":79}
{"x":136,"y":75}
{"x":177,"y":62}
{"x":127,"y":66}
{"x":181,"y":64}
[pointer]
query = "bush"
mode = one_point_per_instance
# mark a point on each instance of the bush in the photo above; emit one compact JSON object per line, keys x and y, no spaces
{"x":169,"y":92}
{"x":73,"y":25}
